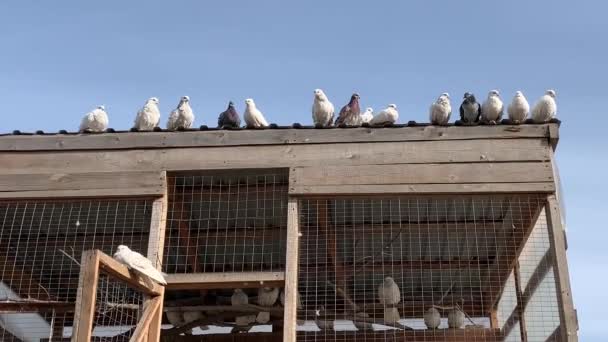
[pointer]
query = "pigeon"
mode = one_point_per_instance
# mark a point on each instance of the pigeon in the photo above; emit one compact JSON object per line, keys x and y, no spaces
{"x":432,"y":318}
{"x":182,"y":117}
{"x":388,"y":292}
{"x":491,"y":109}
{"x":470,"y":110}
{"x":191,"y":316}
{"x":455,"y":318}
{"x":253,"y":117}
{"x":298,"y":301}
{"x":518,"y":109}
{"x":229,"y":117}
{"x":350,"y":114}
{"x":368,"y":115}
{"x":149,"y":116}
{"x":239,"y":298}
{"x":440,"y":111}
{"x":95,"y":121}
{"x":322,"y":110}
{"x":545,"y":109}
{"x":176,"y":318}
{"x":267,"y":296}
{"x":139,"y":263}
{"x":389,"y":115}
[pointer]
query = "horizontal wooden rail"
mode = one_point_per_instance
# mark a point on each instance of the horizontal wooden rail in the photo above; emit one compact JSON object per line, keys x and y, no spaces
{"x":193,"y":281}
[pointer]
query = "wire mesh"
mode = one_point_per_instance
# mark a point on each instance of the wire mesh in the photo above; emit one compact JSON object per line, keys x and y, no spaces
{"x":41,"y":242}
{"x":226,"y":222}
{"x":425,"y":268}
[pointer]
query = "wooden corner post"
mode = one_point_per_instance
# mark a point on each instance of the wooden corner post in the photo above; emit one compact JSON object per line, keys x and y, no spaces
{"x":85,"y":297}
{"x":291,"y":272}
{"x":568,"y":326}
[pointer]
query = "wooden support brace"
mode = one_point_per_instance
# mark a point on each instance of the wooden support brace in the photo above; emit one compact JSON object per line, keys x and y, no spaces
{"x":521,"y":306}
{"x":291,"y":272}
{"x":147,"y":318}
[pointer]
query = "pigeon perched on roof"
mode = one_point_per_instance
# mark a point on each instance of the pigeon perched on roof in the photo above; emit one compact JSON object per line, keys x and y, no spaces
{"x":149,"y":116}
{"x":182,"y":117}
{"x":545,"y":109}
{"x":470,"y":109}
{"x":322,"y":110}
{"x":239,"y":298}
{"x":267,"y":296}
{"x":455,"y":318}
{"x":139,"y":263}
{"x":441,"y":110}
{"x":350,"y":114}
{"x":298,"y":300}
{"x":388,"y":115}
{"x":368,"y":115}
{"x":388,"y":292}
{"x":229,"y":117}
{"x":253,"y":117}
{"x":432,"y":318}
{"x":492,"y":108}
{"x":95,"y":120}
{"x":519,"y":108}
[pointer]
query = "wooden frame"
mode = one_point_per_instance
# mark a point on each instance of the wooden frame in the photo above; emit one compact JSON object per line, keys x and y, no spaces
{"x":228,"y":280}
{"x":291,"y":271}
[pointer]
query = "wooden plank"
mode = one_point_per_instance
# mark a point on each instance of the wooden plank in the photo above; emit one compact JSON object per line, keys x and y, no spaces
{"x":22,"y":306}
{"x":521,"y":307}
{"x":191,"y":281}
{"x":396,"y":189}
{"x":86,"y":295}
{"x":121,"y":273}
{"x":417,"y":152}
{"x":97,"y":193}
{"x":567,"y":313}
{"x":423,"y":174}
{"x":147,"y":181}
{"x":146,"y":319}
{"x":265,"y":137}
{"x":291,"y":272}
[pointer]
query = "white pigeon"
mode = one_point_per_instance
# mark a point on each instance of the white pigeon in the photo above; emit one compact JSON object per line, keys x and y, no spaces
{"x":545,"y":109}
{"x":176,"y":318}
{"x":368,"y":115}
{"x":492,"y":108}
{"x":181,"y":117}
{"x":239,"y":298}
{"x":298,"y":301}
{"x":387,"y":115}
{"x":139,"y":263}
{"x":322,"y":109}
{"x":253,"y":117}
{"x":441,"y":110}
{"x":191,"y":316}
{"x":388,"y":292}
{"x":455,"y":318}
{"x":95,"y":120}
{"x":149,"y":116}
{"x":432,"y":318}
{"x":519,"y":108}
{"x":267,"y":296}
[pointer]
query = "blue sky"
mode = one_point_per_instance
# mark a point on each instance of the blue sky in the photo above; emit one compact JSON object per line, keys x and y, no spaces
{"x":60,"y":59}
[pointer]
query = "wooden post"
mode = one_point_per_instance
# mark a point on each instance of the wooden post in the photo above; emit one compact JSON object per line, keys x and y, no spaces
{"x":521,"y":306}
{"x":567,"y":314}
{"x":291,"y":272}
{"x":85,"y":298}
{"x":147,"y":319}
{"x":156,"y":246}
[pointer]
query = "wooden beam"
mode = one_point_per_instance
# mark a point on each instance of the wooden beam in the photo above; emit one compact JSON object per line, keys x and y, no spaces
{"x":121,"y":273}
{"x":264,"y":137}
{"x":153,"y":306}
{"x":86,"y":295}
{"x":568,"y":321}
{"x":291,"y":272}
{"x":23,"y":306}
{"x":521,"y":307}
{"x":192,"y":281}
{"x":73,"y":194}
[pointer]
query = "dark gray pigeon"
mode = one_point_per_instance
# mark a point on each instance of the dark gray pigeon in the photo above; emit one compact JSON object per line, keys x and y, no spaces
{"x":470,"y":110}
{"x":229,"y":117}
{"x":350,"y":114}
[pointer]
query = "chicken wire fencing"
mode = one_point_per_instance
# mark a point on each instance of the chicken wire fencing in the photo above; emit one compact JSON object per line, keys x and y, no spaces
{"x":226,"y":222}
{"x":41,"y":243}
{"x":458,"y":268}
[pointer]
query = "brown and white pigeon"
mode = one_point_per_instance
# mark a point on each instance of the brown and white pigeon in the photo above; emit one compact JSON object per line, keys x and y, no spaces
{"x":229,"y":117}
{"x":545,"y":109}
{"x":350,"y":114}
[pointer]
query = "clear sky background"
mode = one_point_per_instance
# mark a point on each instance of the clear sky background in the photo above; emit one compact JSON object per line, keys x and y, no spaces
{"x":60,"y":59}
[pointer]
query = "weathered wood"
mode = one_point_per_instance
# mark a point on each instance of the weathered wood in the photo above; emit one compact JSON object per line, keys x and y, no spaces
{"x":97,"y":193}
{"x":154,"y":306}
{"x":521,"y":307}
{"x":265,"y":137}
{"x":86,"y":295}
{"x":397,"y":189}
{"x":417,"y":152}
{"x":148,"y":182}
{"x":121,"y":273}
{"x":568,"y":322}
{"x":291,"y":272}
{"x":229,"y":280}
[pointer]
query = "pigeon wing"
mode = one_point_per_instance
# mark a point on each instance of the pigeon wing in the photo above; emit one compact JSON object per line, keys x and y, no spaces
{"x":461,"y":113}
{"x":144,"y":266}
